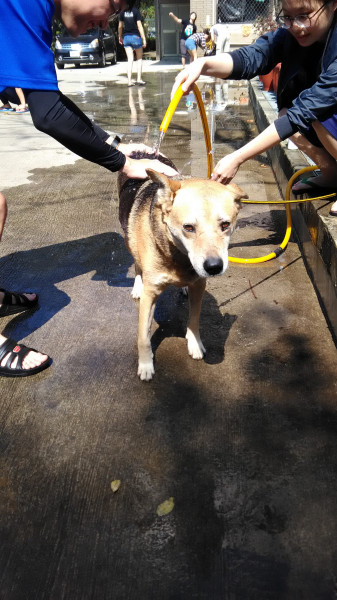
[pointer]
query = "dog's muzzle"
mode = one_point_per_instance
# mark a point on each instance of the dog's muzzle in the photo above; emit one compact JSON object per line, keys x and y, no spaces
{"x":213,"y":265}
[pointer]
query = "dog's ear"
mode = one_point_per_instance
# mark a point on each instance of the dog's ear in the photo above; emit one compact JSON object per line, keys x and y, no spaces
{"x":167,"y":190}
{"x":237,"y":193}
{"x":163,"y":181}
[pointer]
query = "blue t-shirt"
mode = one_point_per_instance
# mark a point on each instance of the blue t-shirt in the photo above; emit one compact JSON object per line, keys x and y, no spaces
{"x":26,"y":59}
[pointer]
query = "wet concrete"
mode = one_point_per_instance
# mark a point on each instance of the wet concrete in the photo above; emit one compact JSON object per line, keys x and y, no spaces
{"x":244,"y":441}
{"x":315,"y":228}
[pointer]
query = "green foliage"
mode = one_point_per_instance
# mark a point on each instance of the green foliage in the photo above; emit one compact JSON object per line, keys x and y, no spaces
{"x":148,"y":17}
{"x":147,"y":5}
{"x":57,"y":26}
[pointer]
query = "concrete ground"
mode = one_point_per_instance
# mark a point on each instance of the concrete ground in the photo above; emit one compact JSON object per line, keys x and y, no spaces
{"x":242,"y":445}
{"x":316,"y":229}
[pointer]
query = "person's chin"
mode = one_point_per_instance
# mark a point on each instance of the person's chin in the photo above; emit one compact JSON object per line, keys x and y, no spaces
{"x":304,"y":40}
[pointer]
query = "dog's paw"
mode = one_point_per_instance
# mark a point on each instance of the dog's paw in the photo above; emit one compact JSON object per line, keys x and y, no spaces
{"x":195,"y":346}
{"x":146,"y":371}
{"x":137,"y":287}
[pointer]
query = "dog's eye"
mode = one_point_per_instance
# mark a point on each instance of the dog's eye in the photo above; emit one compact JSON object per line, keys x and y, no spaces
{"x":225,"y":225}
{"x":189,"y":228}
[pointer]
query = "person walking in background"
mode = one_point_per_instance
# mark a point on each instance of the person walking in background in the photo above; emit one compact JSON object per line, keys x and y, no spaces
{"x":188,"y":28}
{"x":16,"y":96}
{"x":197,"y":40}
{"x":133,"y":39}
{"x":220,"y":37}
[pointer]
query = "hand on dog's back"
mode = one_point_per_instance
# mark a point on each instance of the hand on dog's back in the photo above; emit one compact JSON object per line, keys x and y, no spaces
{"x":136,"y":169}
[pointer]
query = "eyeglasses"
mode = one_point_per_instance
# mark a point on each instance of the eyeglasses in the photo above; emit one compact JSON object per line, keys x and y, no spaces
{"x":302,"y":21}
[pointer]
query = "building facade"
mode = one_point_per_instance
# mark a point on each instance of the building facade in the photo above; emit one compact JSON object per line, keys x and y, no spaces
{"x":238,"y":14}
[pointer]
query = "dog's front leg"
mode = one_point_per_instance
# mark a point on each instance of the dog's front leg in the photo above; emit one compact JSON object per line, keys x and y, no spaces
{"x":146,"y":310}
{"x":194,"y":343}
{"x":138,"y":283}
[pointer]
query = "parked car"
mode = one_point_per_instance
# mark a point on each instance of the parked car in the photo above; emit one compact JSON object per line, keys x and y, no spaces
{"x":95,"y":46}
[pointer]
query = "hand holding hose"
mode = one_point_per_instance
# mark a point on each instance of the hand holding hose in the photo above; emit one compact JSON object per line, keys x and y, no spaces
{"x":213,"y":66}
{"x":187,"y":78}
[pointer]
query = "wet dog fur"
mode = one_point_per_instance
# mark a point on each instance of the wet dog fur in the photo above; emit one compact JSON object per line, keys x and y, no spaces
{"x":177,"y":230}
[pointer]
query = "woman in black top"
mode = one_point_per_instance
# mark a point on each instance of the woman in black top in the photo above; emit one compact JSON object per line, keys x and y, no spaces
{"x":133,"y":40}
{"x":188,"y":28}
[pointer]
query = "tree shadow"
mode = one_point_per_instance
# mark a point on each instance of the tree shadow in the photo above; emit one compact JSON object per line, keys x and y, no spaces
{"x":171,"y":314}
{"x":40,"y":269}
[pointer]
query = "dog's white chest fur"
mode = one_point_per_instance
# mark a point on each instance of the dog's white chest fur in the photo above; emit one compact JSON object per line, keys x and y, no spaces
{"x":162,"y":279}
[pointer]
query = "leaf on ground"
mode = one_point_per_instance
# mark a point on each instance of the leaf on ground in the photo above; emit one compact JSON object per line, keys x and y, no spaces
{"x":115,"y":485}
{"x":165,"y":507}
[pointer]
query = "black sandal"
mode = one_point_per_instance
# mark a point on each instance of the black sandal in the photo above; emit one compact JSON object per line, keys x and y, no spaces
{"x":21,"y":303}
{"x":13,"y":349}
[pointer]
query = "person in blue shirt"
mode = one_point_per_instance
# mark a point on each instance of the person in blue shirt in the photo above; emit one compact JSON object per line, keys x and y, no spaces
{"x":27,"y":61}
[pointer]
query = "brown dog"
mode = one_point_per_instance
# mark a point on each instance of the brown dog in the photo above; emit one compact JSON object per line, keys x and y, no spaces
{"x":178,"y":231}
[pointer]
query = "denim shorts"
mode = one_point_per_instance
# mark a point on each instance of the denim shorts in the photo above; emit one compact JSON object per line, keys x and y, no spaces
{"x":135,"y":41}
{"x":190,"y":44}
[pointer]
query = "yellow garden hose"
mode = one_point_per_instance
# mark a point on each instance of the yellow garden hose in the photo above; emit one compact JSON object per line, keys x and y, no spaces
{"x":163,"y":127}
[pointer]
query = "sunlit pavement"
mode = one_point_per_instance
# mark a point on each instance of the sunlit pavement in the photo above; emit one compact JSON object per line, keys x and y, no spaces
{"x":243,"y":444}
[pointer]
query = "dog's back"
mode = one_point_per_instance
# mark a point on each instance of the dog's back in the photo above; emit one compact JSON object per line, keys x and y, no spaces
{"x":128,"y":189}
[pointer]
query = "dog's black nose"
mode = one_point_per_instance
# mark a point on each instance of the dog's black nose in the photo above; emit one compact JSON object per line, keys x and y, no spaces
{"x":213,"y":265}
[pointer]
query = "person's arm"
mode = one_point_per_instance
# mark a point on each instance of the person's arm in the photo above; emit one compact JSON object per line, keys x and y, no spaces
{"x":214,"y":66}
{"x":120,"y":32}
{"x":243,"y":63}
{"x":67,"y":124}
{"x":316,"y":103}
{"x":141,"y":33}
{"x":228,"y":166}
{"x":176,"y":19}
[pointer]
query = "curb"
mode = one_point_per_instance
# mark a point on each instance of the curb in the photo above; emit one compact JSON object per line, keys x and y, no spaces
{"x":315,"y":229}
